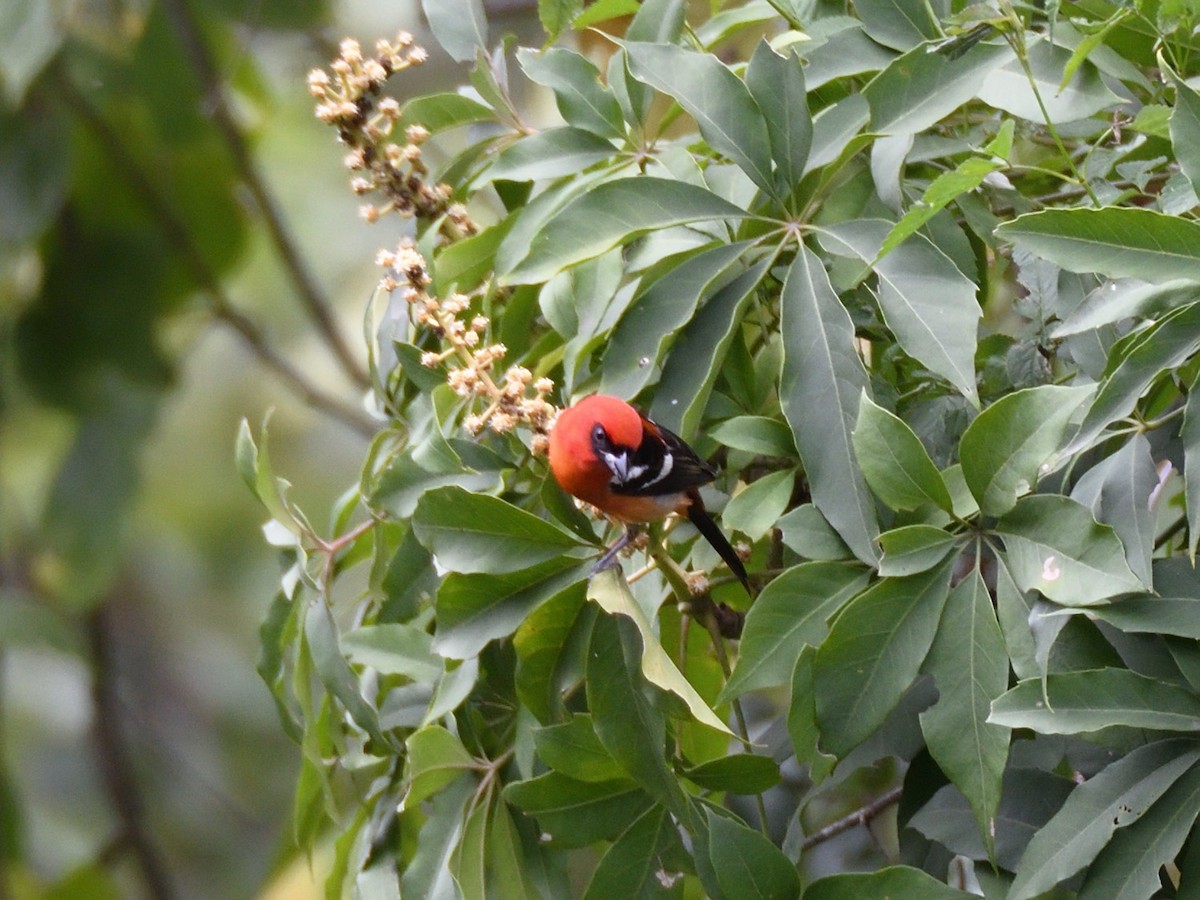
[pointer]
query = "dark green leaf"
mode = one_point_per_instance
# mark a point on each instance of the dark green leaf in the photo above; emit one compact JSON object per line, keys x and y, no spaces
{"x":910,"y":549}
{"x":583,"y":101}
{"x":873,"y":653}
{"x":475,"y":533}
{"x":1053,"y":545}
{"x":1004,"y":450}
{"x":610,"y":214}
{"x":820,"y":387}
{"x":792,"y":611}
{"x":726,"y":114}
{"x":460,"y":26}
{"x":777,"y":85}
{"x":1120,"y":242}
{"x":809,"y":533}
{"x":894,"y":461}
{"x":741,"y":773}
{"x":335,"y":673}
{"x":550,"y":154}
{"x":573,"y":749}
{"x":1081,"y":702}
{"x":756,"y":434}
{"x":474,"y":609}
{"x":747,"y":865}
{"x":640,"y":863}
{"x":435,"y":759}
{"x":1116,"y":797}
{"x":755,"y":510}
{"x":897,"y":24}
{"x":1185,"y":129}
{"x":970,"y":667}
{"x":834,"y":130}
{"x":893,"y":883}
{"x":1152,"y":615}
{"x":575,"y":813}
{"x":394,"y":649}
{"x":1118,"y":491}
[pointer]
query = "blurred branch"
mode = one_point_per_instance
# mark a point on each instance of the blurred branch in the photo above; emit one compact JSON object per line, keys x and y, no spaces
{"x":861,"y":816}
{"x":115,"y":765}
{"x":311,"y":296}
{"x":175,"y":232}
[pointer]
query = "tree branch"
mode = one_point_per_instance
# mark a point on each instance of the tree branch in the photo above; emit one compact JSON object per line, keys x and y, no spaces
{"x":115,"y":765}
{"x":310,"y":294}
{"x":176,"y":234}
{"x":860,"y":816}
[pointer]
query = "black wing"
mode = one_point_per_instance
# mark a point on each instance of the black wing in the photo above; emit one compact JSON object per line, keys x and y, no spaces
{"x":663,"y":464}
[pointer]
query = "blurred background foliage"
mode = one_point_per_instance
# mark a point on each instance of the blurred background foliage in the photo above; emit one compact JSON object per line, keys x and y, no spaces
{"x":177,"y":250}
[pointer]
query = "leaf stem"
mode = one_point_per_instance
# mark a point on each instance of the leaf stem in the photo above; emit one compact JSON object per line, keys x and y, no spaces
{"x":861,"y":816}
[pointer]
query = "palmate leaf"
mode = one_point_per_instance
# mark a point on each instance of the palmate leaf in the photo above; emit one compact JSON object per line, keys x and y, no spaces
{"x":820,"y":387}
{"x":894,"y":461}
{"x":1116,"y":797}
{"x":777,"y":85}
{"x":460,"y":26}
{"x":893,"y":882}
{"x":583,"y":101}
{"x":575,"y":813}
{"x":910,"y":549}
{"x":746,"y":864}
{"x":644,"y":863}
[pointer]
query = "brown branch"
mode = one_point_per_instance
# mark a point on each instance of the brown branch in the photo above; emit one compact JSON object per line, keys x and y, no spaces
{"x":860,"y":816}
{"x":115,"y":764}
{"x":311,"y":296}
{"x":176,"y":234}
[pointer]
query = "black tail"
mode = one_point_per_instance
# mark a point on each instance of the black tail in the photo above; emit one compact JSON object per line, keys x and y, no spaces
{"x":706,"y":526}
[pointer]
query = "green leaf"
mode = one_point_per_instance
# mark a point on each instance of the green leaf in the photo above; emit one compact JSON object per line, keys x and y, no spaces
{"x":894,"y":461}
{"x":809,"y":533}
{"x":394,"y":649}
{"x":965,"y":177}
{"x":1120,"y":242}
{"x":575,"y":813}
{"x":1004,"y":450}
{"x":802,"y":725}
{"x":1115,"y":797}
{"x":610,"y":214}
{"x":1126,"y":299}
{"x":550,"y":154}
{"x":657,"y":312}
{"x":1185,"y":128}
{"x":755,"y":510}
{"x":790,"y":613}
{"x":1118,"y":491}
{"x":1163,"y":346}
{"x":1053,"y":545}
{"x":911,"y":549}
{"x":556,"y":15}
{"x":644,"y":863}
{"x":460,"y":26}
{"x":872,"y":654}
{"x":926,"y":301}
{"x":1152,"y":615}
{"x":1091,"y":41}
{"x":740,"y":773}
{"x":30,"y":34}
{"x":897,"y":24}
{"x":893,"y":883}
{"x":335,"y":673}
{"x":755,"y":434}
{"x":435,"y":758}
{"x":430,"y":873}
{"x":1129,"y":866}
{"x":1008,"y":87}
{"x":822,"y":382}
{"x":547,"y":644}
{"x":582,"y":100}
{"x":1090,"y":700}
{"x":694,"y":363}
{"x":573,"y":749}
{"x":920,"y":88}
{"x":777,"y":85}
{"x":970,"y":667}
{"x":747,"y":865}
{"x":632,"y":730}
{"x":443,"y":111}
{"x":471,"y":533}
{"x":474,"y":609}
{"x":728,"y":118}
{"x":609,"y":590}
{"x":834,"y":131}
{"x":1189,"y":434}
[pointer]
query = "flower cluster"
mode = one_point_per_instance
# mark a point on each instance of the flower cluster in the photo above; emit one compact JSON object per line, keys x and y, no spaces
{"x":513,"y":398}
{"x":349,"y":99}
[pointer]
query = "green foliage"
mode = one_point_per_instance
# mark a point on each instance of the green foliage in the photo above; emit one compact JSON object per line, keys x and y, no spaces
{"x":927,"y":287}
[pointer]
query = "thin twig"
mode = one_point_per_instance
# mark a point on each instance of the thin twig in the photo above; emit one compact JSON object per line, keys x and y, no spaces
{"x":176,"y":234}
{"x":310,"y":294}
{"x":115,"y":764}
{"x":860,"y":816}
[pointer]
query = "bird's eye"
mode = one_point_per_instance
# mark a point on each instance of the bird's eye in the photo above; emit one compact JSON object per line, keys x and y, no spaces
{"x":599,"y":434}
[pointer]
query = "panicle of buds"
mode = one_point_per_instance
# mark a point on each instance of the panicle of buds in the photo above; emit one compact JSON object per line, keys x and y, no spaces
{"x":349,"y":99}
{"x":514,"y":398}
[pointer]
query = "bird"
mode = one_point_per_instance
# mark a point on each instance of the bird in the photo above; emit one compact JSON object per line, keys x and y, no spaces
{"x":606,"y":453}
